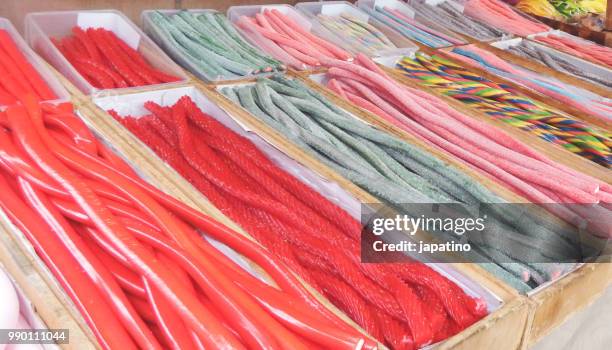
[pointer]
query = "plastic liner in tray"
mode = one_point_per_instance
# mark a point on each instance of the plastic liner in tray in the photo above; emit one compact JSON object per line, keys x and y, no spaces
{"x":348,"y":202}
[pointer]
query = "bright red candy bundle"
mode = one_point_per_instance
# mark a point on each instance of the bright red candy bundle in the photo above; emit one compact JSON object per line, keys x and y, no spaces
{"x":106,"y":61}
{"x":405,"y":306}
{"x":19,"y":77}
{"x":133,"y":259}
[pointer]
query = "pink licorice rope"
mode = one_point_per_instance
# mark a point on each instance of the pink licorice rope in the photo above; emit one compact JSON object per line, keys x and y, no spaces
{"x":582,"y":100}
{"x":502,"y":16}
{"x":269,"y":46}
{"x":335,"y":50}
{"x":284,"y":34}
{"x":280,"y":24}
{"x":477,"y":145}
{"x":450,"y":125}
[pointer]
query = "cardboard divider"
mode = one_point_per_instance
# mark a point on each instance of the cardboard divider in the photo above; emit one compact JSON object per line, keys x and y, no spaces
{"x":552,"y":306}
{"x":553,"y":302}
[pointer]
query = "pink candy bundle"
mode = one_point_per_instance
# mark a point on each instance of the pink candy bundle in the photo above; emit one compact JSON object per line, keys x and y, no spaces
{"x":288,"y":41}
{"x":477,"y":144}
{"x":502,"y":16}
{"x":579,"y":48}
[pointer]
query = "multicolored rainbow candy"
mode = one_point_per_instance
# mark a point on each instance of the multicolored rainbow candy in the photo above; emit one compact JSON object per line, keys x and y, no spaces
{"x":502,"y":102}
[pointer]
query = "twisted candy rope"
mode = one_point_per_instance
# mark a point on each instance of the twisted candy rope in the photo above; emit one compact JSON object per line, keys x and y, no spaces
{"x":388,"y":300}
{"x":108,"y":62}
{"x":501,"y":102}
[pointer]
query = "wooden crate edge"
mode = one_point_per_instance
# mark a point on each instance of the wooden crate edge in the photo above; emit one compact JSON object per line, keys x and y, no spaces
{"x":53,"y":306}
{"x":557,"y":303}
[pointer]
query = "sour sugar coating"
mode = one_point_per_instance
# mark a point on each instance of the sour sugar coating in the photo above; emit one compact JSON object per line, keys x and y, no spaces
{"x":212,"y":44}
{"x":303,"y":47}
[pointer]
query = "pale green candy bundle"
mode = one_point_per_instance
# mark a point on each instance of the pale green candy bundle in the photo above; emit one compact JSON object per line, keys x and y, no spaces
{"x":398,"y":173}
{"x":210,"y":42}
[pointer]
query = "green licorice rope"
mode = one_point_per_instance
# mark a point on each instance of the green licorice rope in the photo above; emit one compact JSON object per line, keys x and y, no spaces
{"x":210,"y":42}
{"x":398,"y":172}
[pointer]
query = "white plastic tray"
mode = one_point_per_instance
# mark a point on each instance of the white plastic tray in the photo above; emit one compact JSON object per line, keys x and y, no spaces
{"x":335,"y":8}
{"x":38,"y":64}
{"x":40,"y":27}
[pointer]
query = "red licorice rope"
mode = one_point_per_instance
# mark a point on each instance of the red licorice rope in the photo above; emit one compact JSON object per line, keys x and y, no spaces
{"x":18,"y":76}
{"x":404,"y":305}
{"x":132,"y":258}
{"x":106,"y":61}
